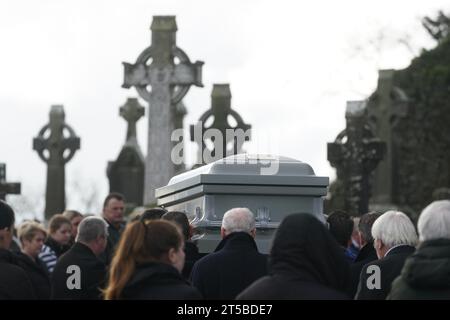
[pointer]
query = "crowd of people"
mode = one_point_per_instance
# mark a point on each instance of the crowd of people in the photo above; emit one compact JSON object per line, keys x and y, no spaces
{"x":375,"y":256}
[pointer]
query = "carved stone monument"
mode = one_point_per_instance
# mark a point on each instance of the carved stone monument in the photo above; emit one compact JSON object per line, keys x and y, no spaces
{"x":233,"y":137}
{"x":7,"y":187}
{"x":161,"y":82}
{"x":355,"y":154}
{"x":56,"y":144}
{"x":126,"y":174}
{"x":384,"y":110}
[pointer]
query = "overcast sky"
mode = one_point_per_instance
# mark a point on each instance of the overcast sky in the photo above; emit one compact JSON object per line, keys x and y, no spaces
{"x":291,"y":65}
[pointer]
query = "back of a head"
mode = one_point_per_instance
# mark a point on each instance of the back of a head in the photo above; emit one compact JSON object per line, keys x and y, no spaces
{"x":181,"y":220}
{"x":303,"y":244}
{"x":394,"y":228}
{"x":341,"y":227}
{"x":91,"y":228}
{"x":6,"y":215}
{"x":141,"y":242}
{"x":152,"y":214}
{"x":365,"y":225}
{"x":434,"y":221}
{"x":238,"y":220}
{"x":6,"y":223}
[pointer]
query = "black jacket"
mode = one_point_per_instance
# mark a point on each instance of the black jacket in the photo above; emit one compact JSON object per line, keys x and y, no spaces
{"x":38,"y":274}
{"x":365,"y":256}
{"x":234,"y":265}
{"x":14,"y":282}
{"x":426,"y":273}
{"x":92,"y":274}
{"x":305,"y":262}
{"x":158,"y":281}
{"x":390,"y":267}
{"x":114,"y":235}
{"x":59,"y":249}
{"x":192,"y":255}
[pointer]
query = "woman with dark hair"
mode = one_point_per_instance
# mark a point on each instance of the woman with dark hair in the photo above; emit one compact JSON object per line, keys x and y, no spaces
{"x":148,"y":264}
{"x":305,"y":262}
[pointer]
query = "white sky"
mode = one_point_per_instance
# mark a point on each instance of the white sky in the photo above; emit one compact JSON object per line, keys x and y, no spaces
{"x":292,"y":66}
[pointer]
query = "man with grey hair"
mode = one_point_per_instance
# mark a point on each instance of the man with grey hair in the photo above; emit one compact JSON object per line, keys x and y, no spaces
{"x":236,"y":262}
{"x":395,"y":239}
{"x":79,"y":274}
{"x":425,"y":274}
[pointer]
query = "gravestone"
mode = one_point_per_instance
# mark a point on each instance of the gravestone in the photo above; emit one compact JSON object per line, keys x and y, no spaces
{"x":162,"y":82}
{"x":385,"y":108}
{"x":126,"y":174}
{"x":233,"y":137}
{"x":355,"y":154}
{"x":7,"y":187}
{"x":56,"y":145}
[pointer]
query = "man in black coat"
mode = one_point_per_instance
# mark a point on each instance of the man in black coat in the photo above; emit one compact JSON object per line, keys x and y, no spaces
{"x":79,"y":274}
{"x":113,"y":211}
{"x":14,"y":282}
{"x":425,"y":275}
{"x":395,"y":238}
{"x":236,"y":262}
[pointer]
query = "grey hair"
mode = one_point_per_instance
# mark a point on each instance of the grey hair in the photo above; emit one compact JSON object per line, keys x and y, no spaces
{"x":238,"y":220}
{"x":434,"y":221}
{"x":394,"y":228}
{"x":91,"y":228}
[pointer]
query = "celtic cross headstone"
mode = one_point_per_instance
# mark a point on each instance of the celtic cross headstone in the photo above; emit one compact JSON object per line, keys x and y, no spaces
{"x":162,"y":82}
{"x":56,"y":145}
{"x":355,"y":154}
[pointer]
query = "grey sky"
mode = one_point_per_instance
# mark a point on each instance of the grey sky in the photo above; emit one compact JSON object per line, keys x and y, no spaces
{"x":292,"y":66}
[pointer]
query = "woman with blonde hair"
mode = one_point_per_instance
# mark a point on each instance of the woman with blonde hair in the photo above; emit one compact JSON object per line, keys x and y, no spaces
{"x":32,"y":236}
{"x":148,"y":263}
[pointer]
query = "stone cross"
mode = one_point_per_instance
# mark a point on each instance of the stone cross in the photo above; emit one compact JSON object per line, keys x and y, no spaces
{"x":220,"y":111}
{"x":131,"y":111}
{"x":56,"y":144}
{"x":386,"y":107}
{"x":355,"y":154}
{"x":7,"y":187}
{"x":126,"y":174}
{"x":163,"y":83}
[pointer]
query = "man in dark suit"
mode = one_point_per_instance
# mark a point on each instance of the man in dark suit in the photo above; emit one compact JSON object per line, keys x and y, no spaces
{"x":394,"y":240}
{"x":236,"y":262}
{"x":79,"y":274}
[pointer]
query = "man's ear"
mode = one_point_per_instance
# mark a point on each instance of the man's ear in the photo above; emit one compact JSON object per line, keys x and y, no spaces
{"x":172,"y":255}
{"x":253,"y":232}
{"x":223,"y":232}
